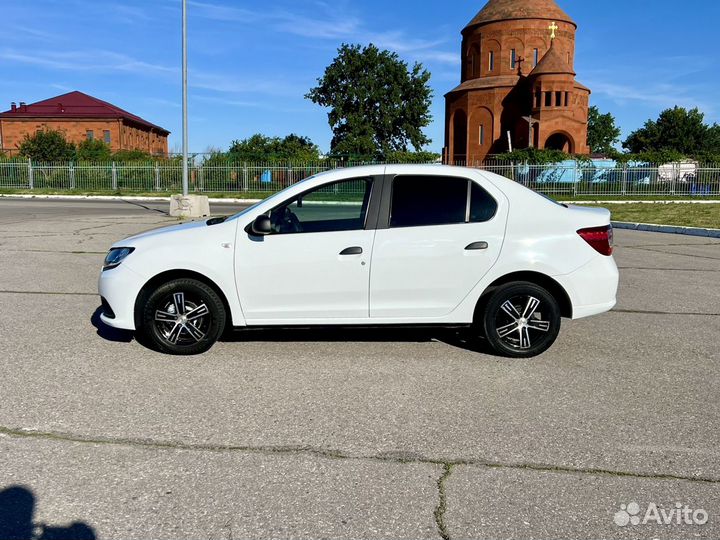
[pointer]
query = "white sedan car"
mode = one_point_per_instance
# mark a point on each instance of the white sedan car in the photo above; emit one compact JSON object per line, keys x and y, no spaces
{"x":368,"y":246}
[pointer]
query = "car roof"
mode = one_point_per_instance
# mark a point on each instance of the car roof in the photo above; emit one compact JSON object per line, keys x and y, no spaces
{"x":403,"y":168}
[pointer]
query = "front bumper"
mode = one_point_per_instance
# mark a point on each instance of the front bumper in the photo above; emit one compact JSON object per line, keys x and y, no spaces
{"x":119,"y":287}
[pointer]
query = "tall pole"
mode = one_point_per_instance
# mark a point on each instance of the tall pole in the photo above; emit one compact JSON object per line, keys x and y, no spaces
{"x":184,"y":99}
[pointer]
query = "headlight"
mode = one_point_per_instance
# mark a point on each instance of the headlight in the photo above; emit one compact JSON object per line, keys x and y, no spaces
{"x":115,"y":256}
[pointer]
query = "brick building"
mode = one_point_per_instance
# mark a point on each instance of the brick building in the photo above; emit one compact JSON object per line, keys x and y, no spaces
{"x":80,"y":116}
{"x":517,"y":77}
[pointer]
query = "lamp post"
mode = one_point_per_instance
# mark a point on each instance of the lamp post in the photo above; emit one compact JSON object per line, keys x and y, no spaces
{"x":186,"y":205}
{"x":184,"y":100}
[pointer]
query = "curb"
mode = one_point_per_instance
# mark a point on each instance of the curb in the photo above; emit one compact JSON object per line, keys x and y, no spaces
{"x":118,"y":198}
{"x":668,"y":229}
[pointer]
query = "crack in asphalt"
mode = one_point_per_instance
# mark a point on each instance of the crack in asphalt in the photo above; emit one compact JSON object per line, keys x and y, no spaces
{"x":56,"y":251}
{"x":675,"y":253}
{"x":441,"y":508}
{"x":717,"y":243}
{"x":51,"y":293}
{"x":667,"y":269}
{"x":338,"y":454}
{"x":648,"y":312}
{"x":135,"y":203}
{"x":448,"y":466}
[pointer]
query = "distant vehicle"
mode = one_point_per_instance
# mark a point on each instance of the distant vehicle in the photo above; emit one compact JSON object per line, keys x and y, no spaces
{"x":680,"y":171}
{"x":367,"y":246}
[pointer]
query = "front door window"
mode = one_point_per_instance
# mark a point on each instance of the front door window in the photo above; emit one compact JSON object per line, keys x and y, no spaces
{"x":339,"y":206}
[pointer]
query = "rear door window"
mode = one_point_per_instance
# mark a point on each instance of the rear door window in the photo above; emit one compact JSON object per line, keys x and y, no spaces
{"x":419,"y":201}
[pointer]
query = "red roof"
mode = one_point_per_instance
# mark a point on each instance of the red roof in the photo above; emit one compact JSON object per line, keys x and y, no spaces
{"x":77,"y":105}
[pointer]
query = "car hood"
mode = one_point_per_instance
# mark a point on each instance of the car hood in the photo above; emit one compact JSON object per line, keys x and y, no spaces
{"x":163,"y":232}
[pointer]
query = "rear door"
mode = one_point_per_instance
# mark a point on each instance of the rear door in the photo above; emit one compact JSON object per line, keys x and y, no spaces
{"x":437,"y":237}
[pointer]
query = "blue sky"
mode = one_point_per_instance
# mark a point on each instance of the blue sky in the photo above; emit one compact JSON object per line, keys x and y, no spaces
{"x":251,"y":62}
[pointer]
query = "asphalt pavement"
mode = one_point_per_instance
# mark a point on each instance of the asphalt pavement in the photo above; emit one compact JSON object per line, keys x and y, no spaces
{"x":351,"y":433}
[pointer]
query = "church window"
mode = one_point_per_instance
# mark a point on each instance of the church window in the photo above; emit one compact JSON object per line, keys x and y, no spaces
{"x":513,"y":58}
{"x":482,"y":134}
{"x":536,"y":56}
{"x":491,"y":61}
{"x":558,"y":99}
{"x":548,"y":99}
{"x":90,"y":134}
{"x":567,"y":99}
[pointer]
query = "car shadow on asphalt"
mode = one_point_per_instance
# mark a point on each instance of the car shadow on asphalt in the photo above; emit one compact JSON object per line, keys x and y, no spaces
{"x":107,"y":332}
{"x":460,"y":338}
{"x":17,"y":510}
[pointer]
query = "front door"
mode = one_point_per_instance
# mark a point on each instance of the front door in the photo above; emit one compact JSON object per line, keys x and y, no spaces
{"x":443,"y":234}
{"x":314,"y":266}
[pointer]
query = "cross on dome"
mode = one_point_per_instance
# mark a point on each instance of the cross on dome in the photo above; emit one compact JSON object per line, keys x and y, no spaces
{"x":553,"y":27}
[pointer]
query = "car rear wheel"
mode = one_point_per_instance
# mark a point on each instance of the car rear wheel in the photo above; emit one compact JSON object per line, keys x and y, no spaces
{"x":521,"y":320}
{"x":183,"y":317}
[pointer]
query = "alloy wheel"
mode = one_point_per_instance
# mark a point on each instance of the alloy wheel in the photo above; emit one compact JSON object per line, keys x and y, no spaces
{"x":182,"y":319}
{"x":520,"y":322}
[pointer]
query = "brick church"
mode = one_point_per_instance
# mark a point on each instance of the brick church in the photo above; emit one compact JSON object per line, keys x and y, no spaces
{"x":517,"y":84}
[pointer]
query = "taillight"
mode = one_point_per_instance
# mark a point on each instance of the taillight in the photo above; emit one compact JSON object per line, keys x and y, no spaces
{"x":600,"y":238}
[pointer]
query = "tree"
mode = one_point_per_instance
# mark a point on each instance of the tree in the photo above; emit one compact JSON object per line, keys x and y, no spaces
{"x":262,"y":148}
{"x":413,"y":157}
{"x":536,"y":156}
{"x":603,"y":134}
{"x":676,"y":130}
{"x":377,"y":104}
{"x":93,"y":150}
{"x":47,"y":145}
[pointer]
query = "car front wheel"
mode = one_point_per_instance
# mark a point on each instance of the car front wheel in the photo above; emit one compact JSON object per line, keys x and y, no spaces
{"x":521,"y":320}
{"x":183,"y":317}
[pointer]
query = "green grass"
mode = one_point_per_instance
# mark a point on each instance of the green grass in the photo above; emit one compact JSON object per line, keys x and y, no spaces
{"x":685,"y":215}
{"x":634,"y":197}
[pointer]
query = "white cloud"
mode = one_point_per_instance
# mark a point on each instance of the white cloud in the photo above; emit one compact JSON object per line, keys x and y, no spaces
{"x":327,"y":22}
{"x":661,"y":95}
{"x":94,"y":60}
{"x":229,"y":84}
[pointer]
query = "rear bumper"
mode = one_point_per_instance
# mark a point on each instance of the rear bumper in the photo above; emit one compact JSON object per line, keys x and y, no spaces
{"x":592,"y":288}
{"x":119,"y":288}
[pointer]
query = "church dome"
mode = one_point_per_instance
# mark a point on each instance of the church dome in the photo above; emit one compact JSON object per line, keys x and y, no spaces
{"x":507,"y":10}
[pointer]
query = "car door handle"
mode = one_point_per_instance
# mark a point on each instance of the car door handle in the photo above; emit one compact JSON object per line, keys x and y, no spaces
{"x":356,"y":250}
{"x":477,"y":246}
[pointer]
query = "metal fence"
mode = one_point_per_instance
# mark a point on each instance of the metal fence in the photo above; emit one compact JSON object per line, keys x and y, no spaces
{"x":569,"y":179}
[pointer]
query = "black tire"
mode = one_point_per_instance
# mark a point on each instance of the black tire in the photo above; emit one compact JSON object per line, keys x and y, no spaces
{"x":507,"y":326}
{"x":183,"y":317}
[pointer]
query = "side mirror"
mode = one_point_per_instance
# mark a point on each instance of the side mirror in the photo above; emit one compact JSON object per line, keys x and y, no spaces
{"x":262,"y":225}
